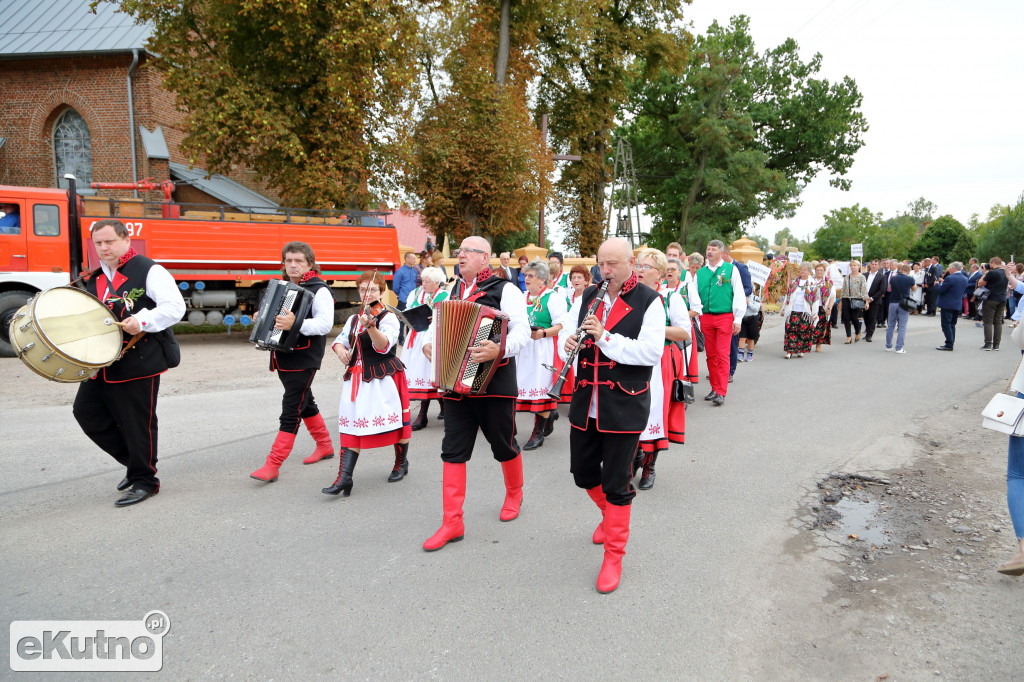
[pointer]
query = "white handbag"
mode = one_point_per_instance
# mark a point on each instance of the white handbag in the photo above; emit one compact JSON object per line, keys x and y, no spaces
{"x":1005,"y":413}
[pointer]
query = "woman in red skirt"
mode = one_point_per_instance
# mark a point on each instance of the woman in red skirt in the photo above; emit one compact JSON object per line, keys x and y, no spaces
{"x":374,"y":409}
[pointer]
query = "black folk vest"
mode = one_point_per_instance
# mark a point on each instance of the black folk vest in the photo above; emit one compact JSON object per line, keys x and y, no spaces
{"x":488,"y":292}
{"x":145,"y":358}
{"x":308,"y":352}
{"x":376,"y":365}
{"x":623,"y":391}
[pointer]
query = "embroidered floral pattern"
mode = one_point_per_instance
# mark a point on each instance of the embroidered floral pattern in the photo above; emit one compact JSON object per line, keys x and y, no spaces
{"x":378,"y":421}
{"x":393,"y":418}
{"x":308,"y":276}
{"x":361,"y":423}
{"x":129,"y":254}
{"x":343,"y":421}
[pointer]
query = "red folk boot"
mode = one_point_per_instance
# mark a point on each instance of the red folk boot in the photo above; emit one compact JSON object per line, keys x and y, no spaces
{"x":616,"y":529}
{"x":597,"y":495}
{"x":278,"y":454}
{"x":453,"y":488}
{"x":324,"y":447}
{"x":513,"y":472}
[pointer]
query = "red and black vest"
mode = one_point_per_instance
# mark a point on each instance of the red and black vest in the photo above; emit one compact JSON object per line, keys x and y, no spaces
{"x":146,"y":357}
{"x":308,"y":351}
{"x":623,"y":391}
{"x":488,"y":292}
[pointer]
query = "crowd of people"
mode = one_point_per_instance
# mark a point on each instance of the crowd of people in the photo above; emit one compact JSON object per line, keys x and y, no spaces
{"x":889,"y":292}
{"x":627,"y":350}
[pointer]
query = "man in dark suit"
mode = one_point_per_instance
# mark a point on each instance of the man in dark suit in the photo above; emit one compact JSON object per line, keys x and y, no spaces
{"x":950,"y":298}
{"x":932,"y":273}
{"x":877,"y":284}
{"x":513,"y":273}
{"x":889,"y":269}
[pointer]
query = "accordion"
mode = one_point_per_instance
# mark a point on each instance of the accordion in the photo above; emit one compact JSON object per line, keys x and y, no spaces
{"x":458,"y":325}
{"x":280,"y":297}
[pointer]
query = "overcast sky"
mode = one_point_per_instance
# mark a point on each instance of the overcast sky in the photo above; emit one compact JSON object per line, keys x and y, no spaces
{"x":942,"y":86}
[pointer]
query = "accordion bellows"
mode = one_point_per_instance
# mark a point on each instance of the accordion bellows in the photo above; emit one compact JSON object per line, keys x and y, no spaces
{"x":280,"y":297}
{"x":458,"y":325}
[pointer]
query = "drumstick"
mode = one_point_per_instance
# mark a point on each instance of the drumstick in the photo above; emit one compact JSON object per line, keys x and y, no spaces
{"x":110,"y":321}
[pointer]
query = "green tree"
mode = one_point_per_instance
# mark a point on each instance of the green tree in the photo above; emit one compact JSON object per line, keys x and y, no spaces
{"x":894,"y":237}
{"x":844,"y":227}
{"x":310,"y":95}
{"x":479,"y":165}
{"x":738,"y":135}
{"x":945,"y":238}
{"x":922,"y":209}
{"x":1006,"y":237}
{"x":588,"y":50}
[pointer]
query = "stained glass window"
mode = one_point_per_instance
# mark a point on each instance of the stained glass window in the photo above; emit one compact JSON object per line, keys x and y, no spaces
{"x":72,"y":148}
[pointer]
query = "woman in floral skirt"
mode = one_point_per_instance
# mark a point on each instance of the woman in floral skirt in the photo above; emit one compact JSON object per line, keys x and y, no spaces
{"x":800,"y":312}
{"x":826,"y":299}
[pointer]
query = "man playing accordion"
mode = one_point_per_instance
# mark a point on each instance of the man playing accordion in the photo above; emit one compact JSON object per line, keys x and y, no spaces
{"x":494,"y":411}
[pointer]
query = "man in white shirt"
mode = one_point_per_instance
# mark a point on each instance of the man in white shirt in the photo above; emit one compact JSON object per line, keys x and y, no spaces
{"x":494,"y":412}
{"x":721,"y":293}
{"x":297,"y":369}
{"x":611,"y":399}
{"x":117,"y":408}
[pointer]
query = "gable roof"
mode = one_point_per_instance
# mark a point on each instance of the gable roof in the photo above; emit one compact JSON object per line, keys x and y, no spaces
{"x":220,"y":187}
{"x":63,"y":27}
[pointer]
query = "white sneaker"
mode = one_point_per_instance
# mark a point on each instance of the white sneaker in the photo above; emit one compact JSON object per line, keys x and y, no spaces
{"x":888,"y":349}
{"x":901,"y":350}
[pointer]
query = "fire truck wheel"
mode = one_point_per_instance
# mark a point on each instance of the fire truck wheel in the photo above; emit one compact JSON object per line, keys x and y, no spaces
{"x":10,"y":301}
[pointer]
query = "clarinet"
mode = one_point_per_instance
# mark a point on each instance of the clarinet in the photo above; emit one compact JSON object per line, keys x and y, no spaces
{"x":556,"y":389}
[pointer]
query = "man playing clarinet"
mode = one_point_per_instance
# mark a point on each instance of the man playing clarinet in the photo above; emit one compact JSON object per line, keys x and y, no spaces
{"x":624,"y":340}
{"x":493,"y":413}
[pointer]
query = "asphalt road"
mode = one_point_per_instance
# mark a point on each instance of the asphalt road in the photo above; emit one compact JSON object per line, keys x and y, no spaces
{"x":279,"y":581}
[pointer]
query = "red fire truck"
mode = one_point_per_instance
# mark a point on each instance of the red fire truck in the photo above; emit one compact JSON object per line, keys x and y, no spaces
{"x":222,"y":257}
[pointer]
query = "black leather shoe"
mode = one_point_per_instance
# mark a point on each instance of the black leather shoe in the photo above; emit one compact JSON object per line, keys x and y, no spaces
{"x":134,"y":496}
{"x":124,"y":484}
{"x":549,"y":426}
{"x":867,"y":339}
{"x":730,"y":378}
{"x":943,"y":348}
{"x":711,"y":396}
{"x":718,"y":400}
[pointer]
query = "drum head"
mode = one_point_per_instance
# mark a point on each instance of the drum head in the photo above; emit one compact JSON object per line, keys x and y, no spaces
{"x":74,"y":323}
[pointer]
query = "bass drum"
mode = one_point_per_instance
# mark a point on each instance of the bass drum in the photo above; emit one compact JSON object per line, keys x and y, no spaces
{"x":65,"y":334}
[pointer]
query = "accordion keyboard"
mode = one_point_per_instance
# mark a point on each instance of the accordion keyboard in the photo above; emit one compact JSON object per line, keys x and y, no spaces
{"x":482,"y":334}
{"x":286,"y":304}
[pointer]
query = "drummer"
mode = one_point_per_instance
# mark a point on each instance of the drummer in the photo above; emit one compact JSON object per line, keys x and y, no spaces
{"x":117,"y":408}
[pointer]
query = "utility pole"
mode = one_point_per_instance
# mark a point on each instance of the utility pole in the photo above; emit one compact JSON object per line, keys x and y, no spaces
{"x":556,"y":157}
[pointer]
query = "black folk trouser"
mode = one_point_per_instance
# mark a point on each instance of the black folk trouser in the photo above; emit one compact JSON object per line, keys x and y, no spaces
{"x":121,"y":419}
{"x":603,"y":459}
{"x":494,"y":417}
{"x":298,"y":402}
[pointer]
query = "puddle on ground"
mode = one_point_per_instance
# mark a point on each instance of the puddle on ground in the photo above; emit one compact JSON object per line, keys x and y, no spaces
{"x":860,"y":517}
{"x":850,"y":510}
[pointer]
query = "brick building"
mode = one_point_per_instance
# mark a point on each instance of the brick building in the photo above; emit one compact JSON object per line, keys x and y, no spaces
{"x":79,"y":94}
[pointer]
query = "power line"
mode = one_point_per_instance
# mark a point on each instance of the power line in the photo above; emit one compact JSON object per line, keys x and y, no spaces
{"x":814,"y":17}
